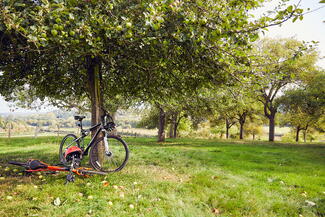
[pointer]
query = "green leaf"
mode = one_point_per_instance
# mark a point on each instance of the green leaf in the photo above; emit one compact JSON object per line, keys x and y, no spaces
{"x":290,"y":8}
{"x":323,"y":1}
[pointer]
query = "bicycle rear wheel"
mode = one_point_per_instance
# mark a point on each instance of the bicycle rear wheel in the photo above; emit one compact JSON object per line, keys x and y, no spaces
{"x":114,"y":160}
{"x":67,"y":142}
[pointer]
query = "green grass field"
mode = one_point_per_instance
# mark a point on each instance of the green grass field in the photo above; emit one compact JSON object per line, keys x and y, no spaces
{"x":182,"y":177}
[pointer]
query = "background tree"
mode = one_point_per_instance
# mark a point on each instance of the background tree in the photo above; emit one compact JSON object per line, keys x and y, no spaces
{"x":279,"y":63}
{"x":303,"y":107}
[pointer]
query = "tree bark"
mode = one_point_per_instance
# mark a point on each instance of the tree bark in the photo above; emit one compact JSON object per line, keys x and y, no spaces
{"x":305,"y":134}
{"x":96,"y":98}
{"x":241,"y":132}
{"x":297,"y":133}
{"x":177,"y":120}
{"x":271,"y":127}
{"x":171,"y":130}
{"x":242,"y":120}
{"x":94,"y":85}
{"x":227,"y":128}
{"x":253,"y":136}
{"x":175,"y":130}
{"x":162,"y":120}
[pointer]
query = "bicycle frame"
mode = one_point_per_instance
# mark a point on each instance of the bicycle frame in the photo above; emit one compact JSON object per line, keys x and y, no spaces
{"x":85,"y":133}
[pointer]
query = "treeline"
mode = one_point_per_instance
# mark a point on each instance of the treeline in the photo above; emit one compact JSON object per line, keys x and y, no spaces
{"x":285,"y":88}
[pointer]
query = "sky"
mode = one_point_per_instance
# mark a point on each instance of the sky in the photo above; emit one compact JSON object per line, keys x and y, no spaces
{"x":310,"y":28}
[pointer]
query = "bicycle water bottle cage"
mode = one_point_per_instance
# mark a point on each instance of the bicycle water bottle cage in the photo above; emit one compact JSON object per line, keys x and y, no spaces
{"x":79,"y":117}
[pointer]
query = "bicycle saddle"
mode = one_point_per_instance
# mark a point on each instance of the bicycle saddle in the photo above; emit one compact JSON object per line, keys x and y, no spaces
{"x":36,"y":164}
{"x":79,"y":117}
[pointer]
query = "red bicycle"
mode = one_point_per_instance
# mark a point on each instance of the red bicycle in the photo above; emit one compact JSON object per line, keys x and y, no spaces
{"x":38,"y":166}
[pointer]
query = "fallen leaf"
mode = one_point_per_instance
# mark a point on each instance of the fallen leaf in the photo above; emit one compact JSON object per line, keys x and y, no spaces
{"x":105,"y":183}
{"x":9,"y":197}
{"x":269,"y":180}
{"x":131,"y":206}
{"x":310,"y":203}
{"x":304,"y":194}
{"x":215,"y":211}
{"x":57,"y":201}
{"x":110,"y":203}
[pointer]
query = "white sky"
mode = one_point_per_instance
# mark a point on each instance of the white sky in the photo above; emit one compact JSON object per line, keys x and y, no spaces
{"x":310,"y":28}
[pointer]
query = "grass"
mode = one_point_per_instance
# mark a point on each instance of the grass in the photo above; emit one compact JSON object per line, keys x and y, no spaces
{"x":182,"y":177}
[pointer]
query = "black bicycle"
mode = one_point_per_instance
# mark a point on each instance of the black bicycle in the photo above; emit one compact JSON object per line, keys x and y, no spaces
{"x":107,"y":153}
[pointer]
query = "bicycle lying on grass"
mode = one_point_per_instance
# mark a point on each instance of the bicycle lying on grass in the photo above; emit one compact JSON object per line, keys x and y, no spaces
{"x":108,"y":153}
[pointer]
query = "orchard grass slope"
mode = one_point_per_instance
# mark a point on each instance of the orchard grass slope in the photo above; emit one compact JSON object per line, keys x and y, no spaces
{"x":182,"y":177}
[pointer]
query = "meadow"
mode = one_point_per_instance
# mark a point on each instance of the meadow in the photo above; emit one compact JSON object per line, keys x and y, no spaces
{"x":181,"y":177}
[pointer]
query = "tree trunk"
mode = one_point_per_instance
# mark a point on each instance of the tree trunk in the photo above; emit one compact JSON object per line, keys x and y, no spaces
{"x":175,"y":130}
{"x":177,"y":120}
{"x":94,"y":85}
{"x":241,"y":130}
{"x":253,"y":136}
{"x":242,"y":120}
{"x":162,"y":120}
{"x":96,"y":98}
{"x":227,"y":128}
{"x":297,"y":133}
{"x":171,"y":130}
{"x":305,"y":134}
{"x":271,"y":127}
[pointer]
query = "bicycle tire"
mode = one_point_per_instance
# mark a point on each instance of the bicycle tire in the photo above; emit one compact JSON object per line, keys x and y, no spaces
{"x":113,"y":163}
{"x":63,"y":143}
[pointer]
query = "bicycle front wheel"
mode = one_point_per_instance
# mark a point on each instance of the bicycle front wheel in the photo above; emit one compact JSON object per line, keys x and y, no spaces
{"x":112,"y":161}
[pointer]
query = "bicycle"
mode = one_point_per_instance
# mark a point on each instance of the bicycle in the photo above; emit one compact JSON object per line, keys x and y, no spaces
{"x":39,"y":166}
{"x":108,"y":153}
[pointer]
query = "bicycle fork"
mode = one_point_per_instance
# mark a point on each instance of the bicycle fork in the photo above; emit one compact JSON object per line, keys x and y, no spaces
{"x":107,"y":151}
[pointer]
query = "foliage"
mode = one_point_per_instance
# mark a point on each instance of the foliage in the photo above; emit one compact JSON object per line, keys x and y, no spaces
{"x":144,"y":49}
